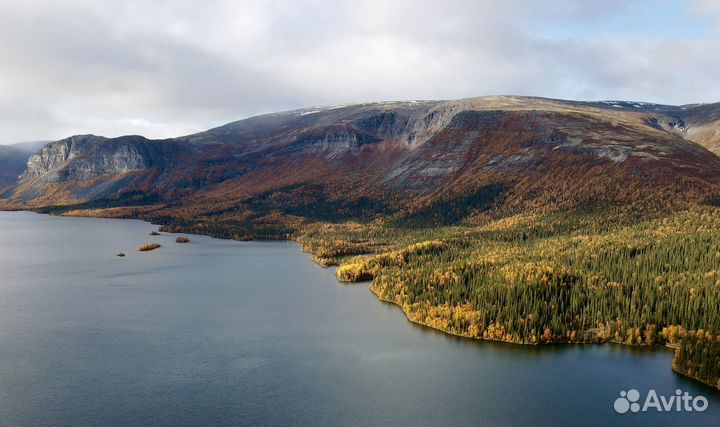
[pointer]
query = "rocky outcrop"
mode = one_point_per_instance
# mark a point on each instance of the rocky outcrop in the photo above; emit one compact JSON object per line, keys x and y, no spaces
{"x":86,"y":157}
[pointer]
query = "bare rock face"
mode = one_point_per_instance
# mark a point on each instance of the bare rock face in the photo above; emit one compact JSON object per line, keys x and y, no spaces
{"x":50,"y":158}
{"x":86,"y":157}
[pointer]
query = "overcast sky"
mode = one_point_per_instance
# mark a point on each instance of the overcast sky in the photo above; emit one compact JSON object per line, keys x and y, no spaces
{"x":167,"y":68}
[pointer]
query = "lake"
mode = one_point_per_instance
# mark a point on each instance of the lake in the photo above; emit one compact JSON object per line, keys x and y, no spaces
{"x":218,"y":332}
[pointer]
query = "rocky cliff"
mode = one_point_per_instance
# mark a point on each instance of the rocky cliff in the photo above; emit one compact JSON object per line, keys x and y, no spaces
{"x":86,"y":157}
{"x":87,"y":167}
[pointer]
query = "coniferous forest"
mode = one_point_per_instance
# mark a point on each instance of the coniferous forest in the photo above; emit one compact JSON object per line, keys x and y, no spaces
{"x":553,"y":279}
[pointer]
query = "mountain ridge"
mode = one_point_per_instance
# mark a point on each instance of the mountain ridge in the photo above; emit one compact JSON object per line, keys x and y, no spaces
{"x":396,"y":159}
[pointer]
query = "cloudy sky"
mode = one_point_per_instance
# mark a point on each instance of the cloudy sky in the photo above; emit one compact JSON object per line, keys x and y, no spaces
{"x":167,"y":68}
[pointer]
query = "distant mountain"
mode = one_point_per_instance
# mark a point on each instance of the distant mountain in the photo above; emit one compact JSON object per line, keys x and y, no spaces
{"x":31,"y":146}
{"x":13,"y":161}
{"x":428,"y":162}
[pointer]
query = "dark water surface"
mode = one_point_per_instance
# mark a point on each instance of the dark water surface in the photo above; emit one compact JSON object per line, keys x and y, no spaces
{"x":227,"y":333}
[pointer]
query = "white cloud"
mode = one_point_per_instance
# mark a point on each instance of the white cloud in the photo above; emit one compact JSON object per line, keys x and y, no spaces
{"x":79,"y":66}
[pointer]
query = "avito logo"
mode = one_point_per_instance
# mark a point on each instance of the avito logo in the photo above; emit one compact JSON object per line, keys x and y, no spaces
{"x":679,"y":402}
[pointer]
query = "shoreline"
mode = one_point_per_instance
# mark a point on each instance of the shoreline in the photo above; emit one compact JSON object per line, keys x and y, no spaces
{"x":379,"y":298}
{"x":672,"y":347}
{"x":425,"y":325}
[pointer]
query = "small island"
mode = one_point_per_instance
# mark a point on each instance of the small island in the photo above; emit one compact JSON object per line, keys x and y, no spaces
{"x":182,"y":239}
{"x":149,"y":247}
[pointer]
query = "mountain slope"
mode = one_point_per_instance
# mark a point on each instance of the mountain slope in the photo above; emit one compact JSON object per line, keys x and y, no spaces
{"x":702,"y":125}
{"x":401,"y":161}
